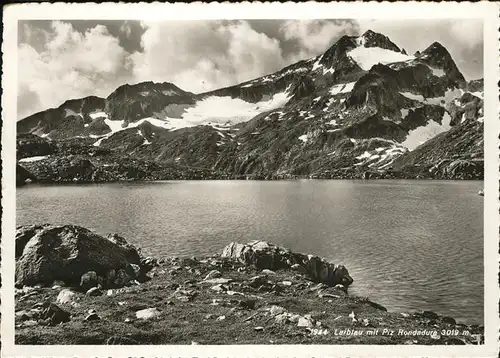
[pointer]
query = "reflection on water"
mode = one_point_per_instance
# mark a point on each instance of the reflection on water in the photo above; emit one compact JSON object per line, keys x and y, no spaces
{"x":410,"y":245}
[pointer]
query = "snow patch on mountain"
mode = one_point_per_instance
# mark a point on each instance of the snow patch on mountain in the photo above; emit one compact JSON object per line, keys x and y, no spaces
{"x":381,"y":157}
{"x":367,"y":57}
{"x":437,"y":71}
{"x":342,"y":88}
{"x":115,"y":126}
{"x":422,"y":134}
{"x":221,"y":110}
{"x":438,"y":101}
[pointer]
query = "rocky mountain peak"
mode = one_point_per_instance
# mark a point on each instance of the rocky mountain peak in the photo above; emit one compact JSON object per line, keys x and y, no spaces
{"x":437,"y":56}
{"x":374,"y":39}
{"x":144,"y":88}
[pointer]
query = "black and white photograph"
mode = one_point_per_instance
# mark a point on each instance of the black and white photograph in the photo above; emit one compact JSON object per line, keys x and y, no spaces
{"x":251,"y":181}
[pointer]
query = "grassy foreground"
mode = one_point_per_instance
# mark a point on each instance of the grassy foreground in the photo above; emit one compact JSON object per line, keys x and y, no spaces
{"x":254,"y":307}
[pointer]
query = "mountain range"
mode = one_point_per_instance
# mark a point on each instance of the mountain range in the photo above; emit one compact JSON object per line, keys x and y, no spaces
{"x":362,"y":109}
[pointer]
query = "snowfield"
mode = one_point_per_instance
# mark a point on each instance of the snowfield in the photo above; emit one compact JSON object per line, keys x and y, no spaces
{"x":342,"y":88}
{"x":367,"y":57}
{"x":422,"y":134}
{"x":221,"y":110}
{"x":214,"y":111}
{"x":381,"y":157}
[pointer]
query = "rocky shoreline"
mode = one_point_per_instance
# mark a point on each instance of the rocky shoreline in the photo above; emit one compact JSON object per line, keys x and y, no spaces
{"x":74,"y":286}
{"x":73,"y":161}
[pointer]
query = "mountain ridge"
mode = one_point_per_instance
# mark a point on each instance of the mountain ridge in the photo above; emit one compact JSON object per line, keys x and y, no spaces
{"x":317,"y":117}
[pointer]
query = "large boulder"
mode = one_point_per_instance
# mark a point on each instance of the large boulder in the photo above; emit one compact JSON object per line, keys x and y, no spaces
{"x":264,"y":255}
{"x":45,"y":253}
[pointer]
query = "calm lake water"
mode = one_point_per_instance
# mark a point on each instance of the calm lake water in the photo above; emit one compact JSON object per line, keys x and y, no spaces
{"x":409,"y":245}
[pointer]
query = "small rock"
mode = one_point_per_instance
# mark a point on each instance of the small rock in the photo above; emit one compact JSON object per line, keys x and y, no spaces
{"x":121,"y":303}
{"x":30,"y":323}
{"x":58,"y":283}
{"x":294,"y":318}
{"x":276,"y":310}
{"x":248,"y":303}
{"x":286,"y":283}
{"x":353,"y":316}
{"x":89,"y":280}
{"x":449,"y":320}
{"x":119,"y":340}
{"x":133,"y":270}
{"x":319,"y":286}
{"x":305,"y":321}
{"x":295,"y":266}
{"x":429,"y":314}
{"x":218,"y":288}
{"x":92,"y":317}
{"x":56,"y":287}
{"x":23,"y":315}
{"x":340,"y":287}
{"x":209,"y":316}
{"x":410,"y":341}
{"x":257,"y":281}
{"x":66,"y":297}
{"x":94,"y":291}
{"x":404,"y":314}
{"x":218,"y":281}
{"x":170,"y":303}
{"x":282,"y":318}
{"x":53,"y":314}
{"x":127,"y":320}
{"x":221,"y":318}
{"x":194,"y":343}
{"x":148,"y":313}
{"x":109,"y":292}
{"x":213,"y":274}
{"x":268,"y":272}
{"x":258,"y":329}
{"x":234,"y":293}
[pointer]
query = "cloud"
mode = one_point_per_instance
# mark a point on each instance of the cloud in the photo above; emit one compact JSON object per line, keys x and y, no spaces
{"x":126,"y":29}
{"x":201,"y":56}
{"x":315,"y":36}
{"x":70,"y":65}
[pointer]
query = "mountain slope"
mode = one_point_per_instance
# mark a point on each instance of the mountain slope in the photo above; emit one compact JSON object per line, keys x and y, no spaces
{"x":363,"y":106}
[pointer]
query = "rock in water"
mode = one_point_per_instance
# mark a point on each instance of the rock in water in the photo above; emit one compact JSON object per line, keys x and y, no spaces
{"x":264,"y":255}
{"x":48,"y":252}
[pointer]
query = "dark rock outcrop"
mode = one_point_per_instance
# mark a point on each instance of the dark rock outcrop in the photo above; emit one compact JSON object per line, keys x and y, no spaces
{"x":264,"y":255}
{"x":45,"y":253}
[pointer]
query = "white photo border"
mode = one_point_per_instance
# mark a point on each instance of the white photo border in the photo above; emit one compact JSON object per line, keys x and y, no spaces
{"x":487,"y":11}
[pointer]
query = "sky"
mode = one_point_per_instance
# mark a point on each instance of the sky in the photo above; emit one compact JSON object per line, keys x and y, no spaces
{"x":64,"y":59}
